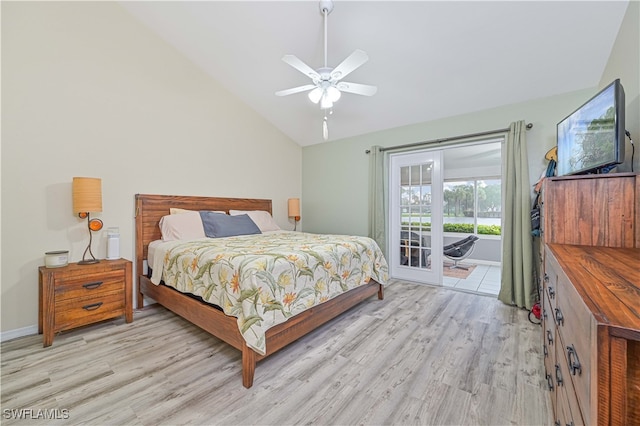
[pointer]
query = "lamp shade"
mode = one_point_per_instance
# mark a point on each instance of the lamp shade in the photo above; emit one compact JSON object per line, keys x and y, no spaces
{"x":315,"y":95}
{"x":87,"y":195}
{"x":333,"y":93}
{"x":294,"y":207}
{"x":326,"y":102}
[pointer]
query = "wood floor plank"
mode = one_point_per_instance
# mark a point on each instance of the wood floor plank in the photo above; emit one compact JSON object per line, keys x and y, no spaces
{"x":423,"y":355}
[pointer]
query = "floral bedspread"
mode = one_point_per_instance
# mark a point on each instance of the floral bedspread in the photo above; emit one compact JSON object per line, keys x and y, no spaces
{"x":265,"y":279}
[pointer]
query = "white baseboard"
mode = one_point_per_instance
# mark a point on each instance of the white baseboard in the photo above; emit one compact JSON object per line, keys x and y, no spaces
{"x":481,"y":262}
{"x":20,"y":332}
{"x":33,"y":329}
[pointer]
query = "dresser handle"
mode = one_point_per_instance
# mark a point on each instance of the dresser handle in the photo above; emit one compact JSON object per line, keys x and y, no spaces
{"x":544,"y":313}
{"x":550,"y":382}
{"x":545,"y":350}
{"x":92,"y":307}
{"x":552,"y":292}
{"x":546,"y":278}
{"x":559,"y":380}
{"x":549,"y":337}
{"x":574,"y":365}
{"x":559,"y":317}
{"x":93,"y":285}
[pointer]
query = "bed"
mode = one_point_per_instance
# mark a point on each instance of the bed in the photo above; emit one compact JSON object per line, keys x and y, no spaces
{"x":150,"y":209}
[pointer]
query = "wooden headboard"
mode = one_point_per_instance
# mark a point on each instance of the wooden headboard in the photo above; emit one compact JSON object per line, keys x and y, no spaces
{"x":151,"y":208}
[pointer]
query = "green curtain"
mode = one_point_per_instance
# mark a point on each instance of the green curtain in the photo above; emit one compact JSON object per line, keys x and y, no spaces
{"x":377,"y":191}
{"x":517,"y":285}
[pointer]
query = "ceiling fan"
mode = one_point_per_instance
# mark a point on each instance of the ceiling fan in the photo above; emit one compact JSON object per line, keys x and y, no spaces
{"x":327,"y":85}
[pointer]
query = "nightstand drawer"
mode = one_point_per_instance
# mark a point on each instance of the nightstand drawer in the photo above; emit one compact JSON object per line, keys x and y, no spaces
{"x":86,"y":310}
{"x":85,"y":286}
{"x":77,"y":295}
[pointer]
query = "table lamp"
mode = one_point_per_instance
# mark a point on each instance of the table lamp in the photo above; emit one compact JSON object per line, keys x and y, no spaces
{"x":87,"y":197}
{"x":294,"y":210}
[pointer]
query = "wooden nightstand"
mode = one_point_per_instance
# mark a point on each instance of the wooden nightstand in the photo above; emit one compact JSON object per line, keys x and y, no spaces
{"x":77,"y":295}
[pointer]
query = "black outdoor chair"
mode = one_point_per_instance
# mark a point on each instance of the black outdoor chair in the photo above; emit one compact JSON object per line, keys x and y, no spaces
{"x":412,"y":250}
{"x":460,"y":250}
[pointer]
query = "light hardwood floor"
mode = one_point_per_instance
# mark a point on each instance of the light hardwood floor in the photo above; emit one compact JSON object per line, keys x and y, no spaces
{"x":423,"y":355}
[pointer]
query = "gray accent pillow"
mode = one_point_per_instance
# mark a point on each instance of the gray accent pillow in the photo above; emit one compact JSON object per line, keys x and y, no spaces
{"x":218,"y":225}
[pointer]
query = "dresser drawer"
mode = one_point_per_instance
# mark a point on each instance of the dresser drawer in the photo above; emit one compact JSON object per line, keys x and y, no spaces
{"x":551,"y":382}
{"x":575,"y":329}
{"x":566,"y":390}
{"x":548,"y":330}
{"x":551,"y":286}
{"x":71,"y":313}
{"x":88,"y":285}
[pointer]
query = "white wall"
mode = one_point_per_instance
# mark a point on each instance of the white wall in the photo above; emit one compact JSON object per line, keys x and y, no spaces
{"x":335,"y":174}
{"x":88,"y":91}
{"x":624,"y":63}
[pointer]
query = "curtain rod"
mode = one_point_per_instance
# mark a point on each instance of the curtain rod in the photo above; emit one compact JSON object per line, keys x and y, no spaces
{"x":433,"y":141}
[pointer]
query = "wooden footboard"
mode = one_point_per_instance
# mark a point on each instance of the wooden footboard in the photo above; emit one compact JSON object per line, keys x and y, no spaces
{"x":225,"y":327}
{"x":149,"y":211}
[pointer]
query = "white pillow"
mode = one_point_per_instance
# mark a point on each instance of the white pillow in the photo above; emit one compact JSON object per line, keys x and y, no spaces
{"x":262,"y":218}
{"x":183,"y":226}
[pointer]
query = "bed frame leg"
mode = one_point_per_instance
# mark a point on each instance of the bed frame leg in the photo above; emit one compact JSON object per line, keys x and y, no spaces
{"x":248,"y":365}
{"x":140,"y":300}
{"x":380,"y":292}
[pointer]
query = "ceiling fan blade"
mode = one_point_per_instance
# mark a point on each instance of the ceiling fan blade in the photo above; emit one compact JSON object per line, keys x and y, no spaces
{"x":301,"y":66}
{"x":358,"y":89}
{"x":353,"y":61}
{"x":295,"y":90}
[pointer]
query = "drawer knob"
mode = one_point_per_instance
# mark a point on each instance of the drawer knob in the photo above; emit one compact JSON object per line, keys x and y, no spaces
{"x":93,"y":285}
{"x":559,"y":317}
{"x":552,"y":292}
{"x":550,"y":382}
{"x":574,"y":361}
{"x":559,"y":380}
{"x":546,"y":278}
{"x":92,"y":307}
{"x":549,"y":337}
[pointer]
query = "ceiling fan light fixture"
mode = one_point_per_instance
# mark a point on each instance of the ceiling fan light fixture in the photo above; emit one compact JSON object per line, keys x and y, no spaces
{"x":327,"y":81}
{"x":333,"y":93}
{"x":315,"y":95}
{"x":326,"y":102}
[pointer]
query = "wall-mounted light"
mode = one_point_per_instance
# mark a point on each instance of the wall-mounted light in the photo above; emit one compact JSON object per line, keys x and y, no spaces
{"x":294,"y":210}
{"x":87,"y":197}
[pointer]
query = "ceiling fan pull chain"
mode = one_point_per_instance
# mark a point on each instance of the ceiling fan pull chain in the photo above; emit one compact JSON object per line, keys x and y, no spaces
{"x":325,"y":128}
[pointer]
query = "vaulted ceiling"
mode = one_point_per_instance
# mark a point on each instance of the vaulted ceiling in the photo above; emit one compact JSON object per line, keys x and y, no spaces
{"x":429,"y":59}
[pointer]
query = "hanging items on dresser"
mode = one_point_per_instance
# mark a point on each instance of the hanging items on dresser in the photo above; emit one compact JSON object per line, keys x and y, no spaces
{"x":552,"y":157}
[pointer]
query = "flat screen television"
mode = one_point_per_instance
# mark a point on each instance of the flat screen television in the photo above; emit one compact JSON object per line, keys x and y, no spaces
{"x":591,"y":139}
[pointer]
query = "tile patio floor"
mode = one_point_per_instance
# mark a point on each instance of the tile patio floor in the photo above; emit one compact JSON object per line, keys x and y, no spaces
{"x":483,"y":279}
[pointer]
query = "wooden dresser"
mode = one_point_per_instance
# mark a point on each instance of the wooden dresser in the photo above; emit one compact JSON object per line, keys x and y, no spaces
{"x":591,"y":298}
{"x":77,"y":295}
